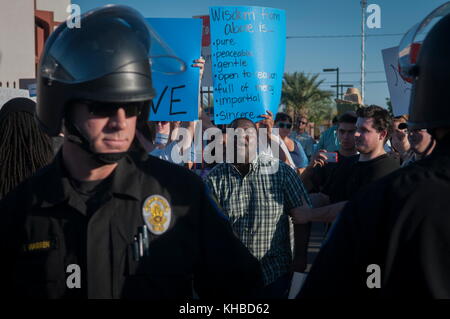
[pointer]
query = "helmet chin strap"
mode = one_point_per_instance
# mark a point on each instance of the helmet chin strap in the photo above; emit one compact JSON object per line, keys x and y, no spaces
{"x":430,"y":145}
{"x":75,"y":136}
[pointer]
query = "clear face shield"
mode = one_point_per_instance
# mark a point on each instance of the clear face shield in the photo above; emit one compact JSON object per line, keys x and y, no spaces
{"x":97,"y":46}
{"x":411,"y":42}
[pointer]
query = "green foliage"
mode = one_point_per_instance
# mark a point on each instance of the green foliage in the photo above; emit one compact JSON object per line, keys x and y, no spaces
{"x":389,"y":105}
{"x":301,"y":95}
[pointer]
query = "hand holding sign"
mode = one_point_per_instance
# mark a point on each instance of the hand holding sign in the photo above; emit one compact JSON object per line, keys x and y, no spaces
{"x":200,"y":63}
{"x":267,"y":122}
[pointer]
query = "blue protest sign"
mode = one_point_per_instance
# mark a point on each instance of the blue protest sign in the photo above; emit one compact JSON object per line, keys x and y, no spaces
{"x":248,"y":51}
{"x":177,"y":94}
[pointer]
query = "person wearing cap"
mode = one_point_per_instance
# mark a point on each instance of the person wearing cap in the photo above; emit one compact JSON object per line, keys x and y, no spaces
{"x":97,"y":223}
{"x":393,"y":239}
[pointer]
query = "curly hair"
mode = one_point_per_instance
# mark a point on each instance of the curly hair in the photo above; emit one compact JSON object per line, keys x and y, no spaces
{"x":382,"y":120}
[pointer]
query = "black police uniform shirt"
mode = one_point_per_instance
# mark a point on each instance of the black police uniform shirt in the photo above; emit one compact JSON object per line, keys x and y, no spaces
{"x":48,"y":225}
{"x":400,"y":223}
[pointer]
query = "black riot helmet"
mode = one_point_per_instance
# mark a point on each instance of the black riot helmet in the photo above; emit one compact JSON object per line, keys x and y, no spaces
{"x":424,"y":57}
{"x":108,"y":59}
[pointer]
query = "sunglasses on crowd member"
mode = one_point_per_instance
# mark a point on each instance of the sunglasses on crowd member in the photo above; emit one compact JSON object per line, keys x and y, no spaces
{"x":304,"y":123}
{"x":106,"y":109}
{"x":284,"y":125}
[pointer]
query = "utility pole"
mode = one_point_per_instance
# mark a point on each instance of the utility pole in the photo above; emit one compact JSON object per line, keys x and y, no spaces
{"x":363,"y":46}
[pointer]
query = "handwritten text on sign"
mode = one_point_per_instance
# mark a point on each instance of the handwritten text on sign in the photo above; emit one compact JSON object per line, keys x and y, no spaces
{"x":248,"y":48}
{"x":177,"y":94}
{"x":399,"y":89}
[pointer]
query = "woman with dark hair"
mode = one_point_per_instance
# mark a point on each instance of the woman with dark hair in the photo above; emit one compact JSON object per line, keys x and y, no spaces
{"x":283,"y":122}
{"x":24,"y":148}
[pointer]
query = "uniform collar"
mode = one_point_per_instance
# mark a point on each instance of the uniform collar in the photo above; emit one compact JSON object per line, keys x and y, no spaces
{"x":126,"y":181}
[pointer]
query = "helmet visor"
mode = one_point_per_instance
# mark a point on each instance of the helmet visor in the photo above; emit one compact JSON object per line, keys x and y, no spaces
{"x":110,"y":39}
{"x":411,"y":42}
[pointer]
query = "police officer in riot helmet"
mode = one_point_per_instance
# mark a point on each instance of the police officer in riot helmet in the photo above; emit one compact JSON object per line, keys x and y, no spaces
{"x":393,"y":238}
{"x":94,"y":223}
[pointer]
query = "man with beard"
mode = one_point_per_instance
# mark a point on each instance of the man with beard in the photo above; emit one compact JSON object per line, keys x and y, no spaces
{"x":256,"y":193}
{"x":372,"y":132}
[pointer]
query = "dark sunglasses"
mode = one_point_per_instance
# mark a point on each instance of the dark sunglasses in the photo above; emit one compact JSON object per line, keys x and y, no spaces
{"x":304,"y":123}
{"x":102,"y":109}
{"x":284,"y":125}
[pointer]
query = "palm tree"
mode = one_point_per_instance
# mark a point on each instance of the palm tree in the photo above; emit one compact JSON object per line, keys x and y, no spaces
{"x":389,"y":106}
{"x":301,"y":95}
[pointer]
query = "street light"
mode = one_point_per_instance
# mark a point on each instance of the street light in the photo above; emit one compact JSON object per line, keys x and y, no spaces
{"x":337,"y":79}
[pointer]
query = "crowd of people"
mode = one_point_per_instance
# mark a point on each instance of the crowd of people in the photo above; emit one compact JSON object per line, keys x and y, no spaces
{"x":87,"y":180}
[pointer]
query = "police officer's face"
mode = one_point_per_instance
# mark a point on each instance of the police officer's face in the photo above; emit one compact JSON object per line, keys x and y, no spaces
{"x":107,"y":134}
{"x":367,"y":138}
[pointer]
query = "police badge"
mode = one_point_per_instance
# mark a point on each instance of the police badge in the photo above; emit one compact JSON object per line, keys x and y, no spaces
{"x":157,"y":214}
